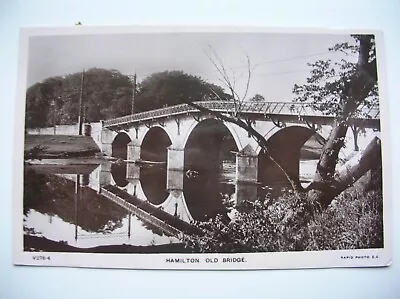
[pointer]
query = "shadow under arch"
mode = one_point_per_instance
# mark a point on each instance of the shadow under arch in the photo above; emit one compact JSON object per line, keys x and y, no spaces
{"x":209,"y":147}
{"x":288,"y":145}
{"x":120,"y":145}
{"x":120,"y":151}
{"x":153,"y":177}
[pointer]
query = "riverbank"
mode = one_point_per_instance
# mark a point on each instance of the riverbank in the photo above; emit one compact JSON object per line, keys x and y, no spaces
{"x":59,"y":146}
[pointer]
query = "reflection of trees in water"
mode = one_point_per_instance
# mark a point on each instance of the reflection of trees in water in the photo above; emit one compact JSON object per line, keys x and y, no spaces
{"x":53,"y":195}
{"x":35,"y":189}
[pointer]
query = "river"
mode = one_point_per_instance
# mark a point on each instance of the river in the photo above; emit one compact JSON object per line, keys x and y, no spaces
{"x":59,"y":209}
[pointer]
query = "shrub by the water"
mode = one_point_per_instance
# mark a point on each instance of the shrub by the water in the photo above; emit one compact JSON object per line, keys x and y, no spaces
{"x":352,"y":221}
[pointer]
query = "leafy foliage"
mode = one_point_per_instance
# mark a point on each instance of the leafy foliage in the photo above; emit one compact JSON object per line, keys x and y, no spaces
{"x":346,"y":89}
{"x":352,"y":221}
{"x":38,"y":100}
{"x":257,"y":98}
{"x":328,"y":87}
{"x":106,"y":94}
{"x":173,"y":87}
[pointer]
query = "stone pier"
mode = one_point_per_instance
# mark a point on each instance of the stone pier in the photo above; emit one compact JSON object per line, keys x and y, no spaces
{"x":247,"y":165}
{"x":133,"y":151}
{"x":175,"y":168}
{"x":132,"y":171}
{"x":246,"y":175}
{"x":106,"y":137}
{"x":100,"y":177}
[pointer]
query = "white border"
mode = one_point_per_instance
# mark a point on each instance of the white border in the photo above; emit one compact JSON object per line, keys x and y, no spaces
{"x":274,"y":260}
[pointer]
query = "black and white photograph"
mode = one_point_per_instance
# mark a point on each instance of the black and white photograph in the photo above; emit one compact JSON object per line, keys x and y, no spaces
{"x":201,"y":148}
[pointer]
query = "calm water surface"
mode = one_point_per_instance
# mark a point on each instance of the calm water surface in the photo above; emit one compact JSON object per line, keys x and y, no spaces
{"x":60,"y":209}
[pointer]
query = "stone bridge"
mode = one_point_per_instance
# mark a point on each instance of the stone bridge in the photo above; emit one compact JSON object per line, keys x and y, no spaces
{"x":186,"y":139}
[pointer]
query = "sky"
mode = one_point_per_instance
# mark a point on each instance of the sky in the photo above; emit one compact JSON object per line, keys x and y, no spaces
{"x":278,"y":60}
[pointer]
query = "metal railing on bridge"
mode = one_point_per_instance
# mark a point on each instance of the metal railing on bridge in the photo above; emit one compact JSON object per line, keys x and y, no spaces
{"x":249,"y":108}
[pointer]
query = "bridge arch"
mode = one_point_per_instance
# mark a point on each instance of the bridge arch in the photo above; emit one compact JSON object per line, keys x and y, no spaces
{"x":153,"y":178}
{"x":150,"y":130}
{"x":154,"y":144}
{"x":120,"y":145}
{"x":286,"y":144}
{"x":208,"y":136}
{"x":323,"y":132}
{"x":230,"y":127}
{"x":119,"y":150}
{"x":209,"y":145}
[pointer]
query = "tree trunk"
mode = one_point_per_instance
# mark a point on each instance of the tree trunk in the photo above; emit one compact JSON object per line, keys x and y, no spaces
{"x":324,"y":193}
{"x":359,"y":165}
{"x":325,"y":187}
{"x":328,"y":160}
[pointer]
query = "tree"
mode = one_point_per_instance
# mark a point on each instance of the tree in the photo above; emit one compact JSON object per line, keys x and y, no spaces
{"x":39,"y":98}
{"x":36,"y":104}
{"x":106,"y":94}
{"x":257,"y":98}
{"x":339,"y":88}
{"x":309,"y":218}
{"x":342,"y":89}
{"x":173,"y":87}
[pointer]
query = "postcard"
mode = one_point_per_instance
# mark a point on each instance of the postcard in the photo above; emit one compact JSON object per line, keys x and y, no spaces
{"x":204,"y":148}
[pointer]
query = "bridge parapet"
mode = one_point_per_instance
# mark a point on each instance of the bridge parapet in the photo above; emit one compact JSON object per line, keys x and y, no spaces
{"x":247,"y":108}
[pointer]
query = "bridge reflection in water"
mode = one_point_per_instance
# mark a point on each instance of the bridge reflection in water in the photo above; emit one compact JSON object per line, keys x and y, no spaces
{"x":63,"y":207}
{"x":63,"y":204}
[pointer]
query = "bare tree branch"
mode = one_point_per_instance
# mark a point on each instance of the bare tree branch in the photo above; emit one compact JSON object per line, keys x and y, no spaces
{"x":248,"y":76}
{"x":215,"y":93}
{"x":249,"y":70}
{"x":228,"y":82}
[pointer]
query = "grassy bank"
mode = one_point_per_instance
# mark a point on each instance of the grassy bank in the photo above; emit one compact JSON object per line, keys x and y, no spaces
{"x":59,"y":146}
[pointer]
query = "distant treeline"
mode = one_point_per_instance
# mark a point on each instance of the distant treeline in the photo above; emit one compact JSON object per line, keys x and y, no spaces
{"x":108,"y":94}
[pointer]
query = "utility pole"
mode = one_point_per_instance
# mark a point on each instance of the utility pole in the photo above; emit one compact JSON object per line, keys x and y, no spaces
{"x":54,"y":116}
{"x":80,"y":117}
{"x":133,"y":93}
{"x":77,"y":199}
